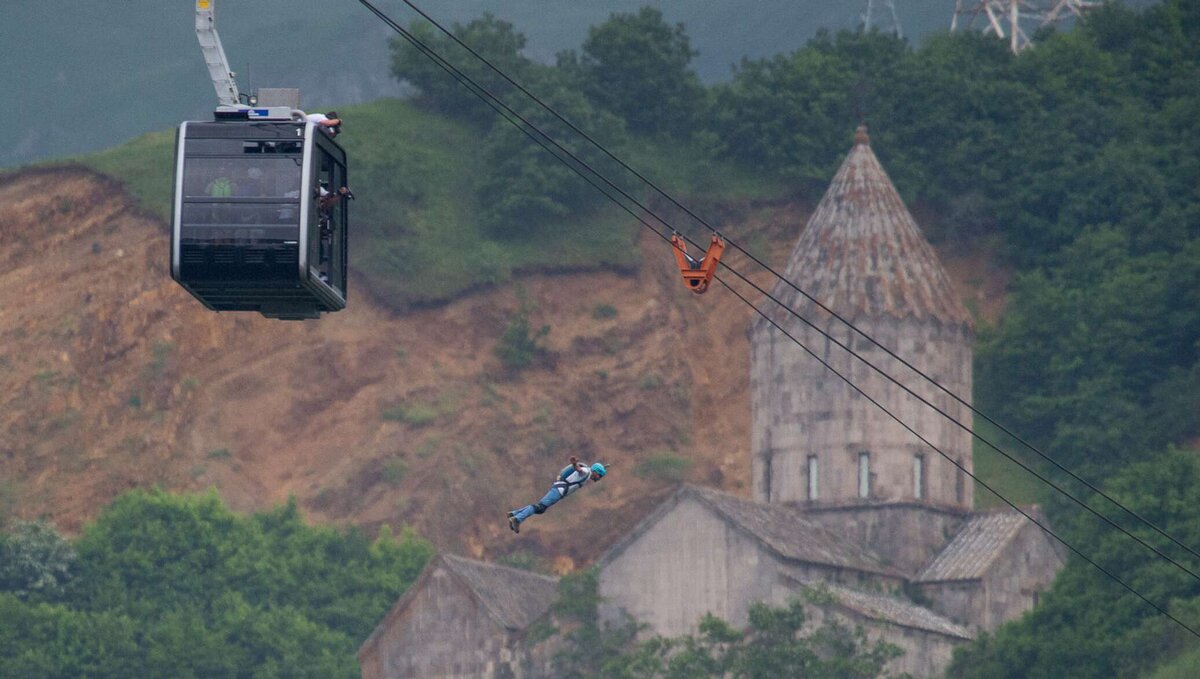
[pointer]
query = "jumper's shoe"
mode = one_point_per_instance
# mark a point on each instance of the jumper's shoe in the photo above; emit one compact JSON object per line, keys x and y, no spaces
{"x":514,"y":524}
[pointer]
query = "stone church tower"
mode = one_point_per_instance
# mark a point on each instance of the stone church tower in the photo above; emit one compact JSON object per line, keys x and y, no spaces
{"x":818,"y":444}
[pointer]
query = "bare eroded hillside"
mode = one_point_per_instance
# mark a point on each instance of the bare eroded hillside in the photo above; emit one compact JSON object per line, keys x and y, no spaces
{"x":115,"y":378}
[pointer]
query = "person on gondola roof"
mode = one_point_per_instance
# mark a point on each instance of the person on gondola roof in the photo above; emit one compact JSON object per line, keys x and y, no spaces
{"x":329,"y":122}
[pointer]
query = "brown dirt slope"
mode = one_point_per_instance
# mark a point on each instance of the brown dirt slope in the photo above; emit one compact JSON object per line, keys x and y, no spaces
{"x":114,"y":378}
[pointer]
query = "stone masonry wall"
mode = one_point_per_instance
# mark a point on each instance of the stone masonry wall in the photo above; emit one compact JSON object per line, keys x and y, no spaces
{"x":1010,"y":586}
{"x":963,"y":601}
{"x":444,"y":633}
{"x":692,"y":562}
{"x":906,"y":535}
{"x":800,"y":409}
{"x":1015,"y":580}
{"x":926,"y":654}
{"x":689,"y":563}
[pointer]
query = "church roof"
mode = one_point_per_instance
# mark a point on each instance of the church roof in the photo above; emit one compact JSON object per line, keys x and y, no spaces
{"x":782,"y":529}
{"x":978,"y":543}
{"x":514,"y":597}
{"x":890,"y":609}
{"x":862,"y":254}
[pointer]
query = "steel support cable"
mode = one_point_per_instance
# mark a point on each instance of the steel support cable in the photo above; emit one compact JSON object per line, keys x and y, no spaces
{"x":964,"y":427}
{"x":797,"y":288}
{"x":488,"y":97}
{"x":952,"y":461}
{"x":480,"y":91}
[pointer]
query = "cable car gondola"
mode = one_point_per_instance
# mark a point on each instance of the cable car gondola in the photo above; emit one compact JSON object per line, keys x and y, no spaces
{"x":249,"y":230}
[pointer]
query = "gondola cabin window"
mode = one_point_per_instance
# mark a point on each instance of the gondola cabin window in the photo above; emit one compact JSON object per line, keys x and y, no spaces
{"x":327,"y":222}
{"x":242,"y":199}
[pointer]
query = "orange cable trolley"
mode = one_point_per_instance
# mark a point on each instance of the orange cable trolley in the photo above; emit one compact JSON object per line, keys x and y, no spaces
{"x":697,"y":274}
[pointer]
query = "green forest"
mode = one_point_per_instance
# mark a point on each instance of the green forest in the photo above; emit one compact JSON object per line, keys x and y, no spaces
{"x":162,"y":585}
{"x":1078,"y":161}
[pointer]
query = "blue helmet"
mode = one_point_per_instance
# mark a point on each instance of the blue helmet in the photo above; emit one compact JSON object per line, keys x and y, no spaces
{"x":599,"y":469}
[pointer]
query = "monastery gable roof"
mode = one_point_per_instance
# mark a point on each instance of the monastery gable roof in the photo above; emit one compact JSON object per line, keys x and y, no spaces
{"x":513,"y":598}
{"x":516,"y":598}
{"x":890,"y":609}
{"x":977,"y":545}
{"x":782,"y":529}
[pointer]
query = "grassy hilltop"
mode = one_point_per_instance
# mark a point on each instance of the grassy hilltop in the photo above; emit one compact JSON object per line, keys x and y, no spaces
{"x":416,"y":234}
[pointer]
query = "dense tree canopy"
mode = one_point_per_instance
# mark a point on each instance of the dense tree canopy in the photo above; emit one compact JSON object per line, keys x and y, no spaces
{"x":494,"y":39}
{"x":774,"y":644}
{"x":1090,"y":626}
{"x":34,"y":560}
{"x":638,"y":66}
{"x":170,"y":586}
{"x":524,"y":189}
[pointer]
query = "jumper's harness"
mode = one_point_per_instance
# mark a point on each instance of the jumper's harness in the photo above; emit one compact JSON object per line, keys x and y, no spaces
{"x":563,"y":485}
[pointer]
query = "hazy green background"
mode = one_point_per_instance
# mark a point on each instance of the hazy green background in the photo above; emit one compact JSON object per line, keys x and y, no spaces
{"x":80,"y":76}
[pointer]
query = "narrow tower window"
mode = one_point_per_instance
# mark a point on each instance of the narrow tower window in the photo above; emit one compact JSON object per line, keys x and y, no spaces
{"x":864,"y":475}
{"x":767,"y":459}
{"x":960,"y":489}
{"x":812,"y":477}
{"x":919,"y":476}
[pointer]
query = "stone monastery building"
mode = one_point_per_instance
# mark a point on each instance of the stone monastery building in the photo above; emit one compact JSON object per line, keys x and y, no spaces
{"x":845,"y":500}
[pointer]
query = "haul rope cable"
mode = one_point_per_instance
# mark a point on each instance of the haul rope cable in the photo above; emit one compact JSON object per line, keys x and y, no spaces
{"x":477,"y":89}
{"x":480,"y":92}
{"x":483,"y":93}
{"x":811,"y":298}
{"x":1037,"y":523}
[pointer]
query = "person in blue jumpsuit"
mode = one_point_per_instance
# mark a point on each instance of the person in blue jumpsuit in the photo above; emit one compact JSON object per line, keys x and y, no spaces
{"x":571,"y":478}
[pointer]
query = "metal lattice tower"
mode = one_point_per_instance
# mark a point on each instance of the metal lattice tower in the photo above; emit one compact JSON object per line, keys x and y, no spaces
{"x":881,"y":15}
{"x":1017,"y":20}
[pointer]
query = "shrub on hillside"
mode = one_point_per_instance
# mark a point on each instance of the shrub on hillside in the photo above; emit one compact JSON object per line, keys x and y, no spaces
{"x":667,"y":467}
{"x":519,"y":345}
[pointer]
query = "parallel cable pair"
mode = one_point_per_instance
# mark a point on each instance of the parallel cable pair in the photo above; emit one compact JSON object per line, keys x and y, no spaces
{"x":574,"y":163}
{"x":826,"y":309}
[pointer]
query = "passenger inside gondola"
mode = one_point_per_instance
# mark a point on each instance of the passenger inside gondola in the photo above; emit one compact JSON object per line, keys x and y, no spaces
{"x":221,"y":184}
{"x":251,"y":186}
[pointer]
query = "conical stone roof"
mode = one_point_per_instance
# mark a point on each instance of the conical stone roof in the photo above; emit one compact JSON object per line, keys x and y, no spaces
{"x":863,"y":255}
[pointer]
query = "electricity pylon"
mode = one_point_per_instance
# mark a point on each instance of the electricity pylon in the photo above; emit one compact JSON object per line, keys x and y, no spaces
{"x":881,"y":15}
{"x":1017,"y":20}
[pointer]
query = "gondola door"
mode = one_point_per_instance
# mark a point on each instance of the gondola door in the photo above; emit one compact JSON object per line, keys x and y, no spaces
{"x":327,"y":228}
